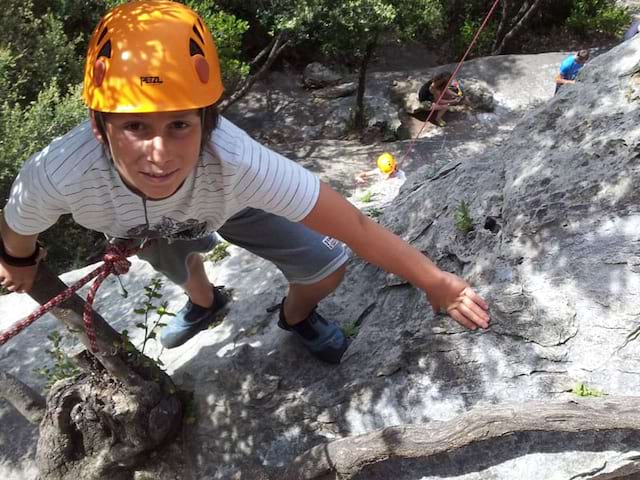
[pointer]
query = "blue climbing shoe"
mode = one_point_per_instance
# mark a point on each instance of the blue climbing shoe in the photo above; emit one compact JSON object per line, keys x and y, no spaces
{"x":191,"y":319}
{"x":322,"y":338}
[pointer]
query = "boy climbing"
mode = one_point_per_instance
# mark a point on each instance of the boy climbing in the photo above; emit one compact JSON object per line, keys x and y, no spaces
{"x":570,"y":67}
{"x":155,"y":165}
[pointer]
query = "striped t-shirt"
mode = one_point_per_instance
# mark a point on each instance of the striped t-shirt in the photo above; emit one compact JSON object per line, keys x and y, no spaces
{"x":74,"y":175}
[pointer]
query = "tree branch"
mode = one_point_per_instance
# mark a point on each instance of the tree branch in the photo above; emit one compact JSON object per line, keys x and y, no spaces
{"x":278,"y":44}
{"x":347,"y":457}
{"x":27,"y":401}
{"x":46,"y":286}
{"x":504,"y":20}
{"x":265,"y":51}
{"x":519,"y":25}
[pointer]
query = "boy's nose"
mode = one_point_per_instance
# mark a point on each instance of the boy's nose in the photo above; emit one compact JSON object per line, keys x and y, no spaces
{"x":157,"y":150}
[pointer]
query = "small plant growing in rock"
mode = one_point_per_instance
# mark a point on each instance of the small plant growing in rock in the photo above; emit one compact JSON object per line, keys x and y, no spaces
{"x":374,"y":213}
{"x":219,"y":252}
{"x":148,"y":326}
{"x":582,"y":390}
{"x":63,"y":366}
{"x":462,"y":218}
{"x":367,"y":197}
{"x":351,"y":330}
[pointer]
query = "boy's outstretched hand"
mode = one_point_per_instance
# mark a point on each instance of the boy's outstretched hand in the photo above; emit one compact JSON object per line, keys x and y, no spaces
{"x":460,"y":301}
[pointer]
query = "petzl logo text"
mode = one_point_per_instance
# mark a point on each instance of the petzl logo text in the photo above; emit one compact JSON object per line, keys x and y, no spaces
{"x":149,"y":80}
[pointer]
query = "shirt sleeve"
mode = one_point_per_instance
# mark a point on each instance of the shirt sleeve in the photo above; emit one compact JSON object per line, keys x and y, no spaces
{"x":271,"y":182}
{"x":34,"y":203}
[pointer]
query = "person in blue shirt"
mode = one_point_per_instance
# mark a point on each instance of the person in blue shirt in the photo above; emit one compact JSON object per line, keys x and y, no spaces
{"x":570,"y":67}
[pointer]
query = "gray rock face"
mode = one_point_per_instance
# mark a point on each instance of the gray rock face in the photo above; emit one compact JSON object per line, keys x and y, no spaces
{"x":338,"y":91}
{"x":317,"y":75}
{"x":554,"y":250}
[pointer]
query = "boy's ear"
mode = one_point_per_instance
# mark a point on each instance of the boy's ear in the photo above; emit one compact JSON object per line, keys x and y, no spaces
{"x":94,"y":126}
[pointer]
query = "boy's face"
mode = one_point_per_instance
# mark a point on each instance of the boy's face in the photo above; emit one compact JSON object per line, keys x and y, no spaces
{"x":154,"y":152}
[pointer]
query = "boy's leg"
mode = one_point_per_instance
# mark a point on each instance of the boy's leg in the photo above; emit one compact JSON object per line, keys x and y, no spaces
{"x":313,"y":264}
{"x":302,"y":299}
{"x":182,"y":263}
{"x":198,"y":286}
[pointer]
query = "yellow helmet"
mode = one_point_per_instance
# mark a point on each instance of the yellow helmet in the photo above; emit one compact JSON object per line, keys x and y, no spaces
{"x":386,"y":163}
{"x":151,"y":56}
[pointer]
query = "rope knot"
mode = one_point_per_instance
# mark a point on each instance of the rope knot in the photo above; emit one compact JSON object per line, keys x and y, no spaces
{"x":116,"y":258}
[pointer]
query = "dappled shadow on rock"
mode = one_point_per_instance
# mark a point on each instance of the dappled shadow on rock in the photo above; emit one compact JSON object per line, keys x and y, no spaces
{"x":558,"y":273}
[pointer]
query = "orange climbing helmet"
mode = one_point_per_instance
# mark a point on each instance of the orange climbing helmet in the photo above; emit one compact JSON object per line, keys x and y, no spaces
{"x":151,"y":56}
{"x":386,"y":163}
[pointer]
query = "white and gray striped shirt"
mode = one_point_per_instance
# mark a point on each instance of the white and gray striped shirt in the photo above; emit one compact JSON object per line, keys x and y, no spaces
{"x":73,"y":175}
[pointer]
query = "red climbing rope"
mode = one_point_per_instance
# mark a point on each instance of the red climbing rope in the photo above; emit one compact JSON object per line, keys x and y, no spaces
{"x":453,"y":75}
{"x":115,"y":261}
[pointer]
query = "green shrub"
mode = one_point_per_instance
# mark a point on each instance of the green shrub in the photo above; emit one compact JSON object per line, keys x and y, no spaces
{"x":41,"y":50}
{"x":467,"y":32}
{"x":23,"y":132}
{"x":26,"y":130}
{"x":597,"y":16}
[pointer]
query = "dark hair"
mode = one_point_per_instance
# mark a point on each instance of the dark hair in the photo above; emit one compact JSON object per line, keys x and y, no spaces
{"x":439,"y":80}
{"x":583,"y":54}
{"x":209,"y":115}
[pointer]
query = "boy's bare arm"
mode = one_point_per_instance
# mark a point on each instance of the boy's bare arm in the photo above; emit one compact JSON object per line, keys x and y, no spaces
{"x":16,"y":279}
{"x":15,"y":244}
{"x":336,"y":217}
{"x":563,"y":81}
{"x":363,"y":176}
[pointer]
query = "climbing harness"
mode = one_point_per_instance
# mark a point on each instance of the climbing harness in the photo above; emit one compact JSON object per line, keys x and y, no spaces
{"x":115,"y":261}
{"x":450,"y":81}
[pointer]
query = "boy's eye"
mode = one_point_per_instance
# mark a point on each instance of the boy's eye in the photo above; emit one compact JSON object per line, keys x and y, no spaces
{"x":179,"y":125}
{"x":134,"y":126}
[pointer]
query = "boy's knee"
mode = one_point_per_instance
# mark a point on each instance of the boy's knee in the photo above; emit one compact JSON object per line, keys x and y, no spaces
{"x":335,"y":279}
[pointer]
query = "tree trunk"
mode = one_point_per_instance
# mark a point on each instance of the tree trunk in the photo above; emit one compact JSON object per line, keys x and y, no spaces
{"x":504,"y":21}
{"x":359,"y":116}
{"x":99,"y":424}
{"x":521,"y":19}
{"x":483,"y":428}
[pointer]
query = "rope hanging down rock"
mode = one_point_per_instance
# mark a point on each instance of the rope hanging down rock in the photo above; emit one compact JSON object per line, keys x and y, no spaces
{"x":115,"y":261}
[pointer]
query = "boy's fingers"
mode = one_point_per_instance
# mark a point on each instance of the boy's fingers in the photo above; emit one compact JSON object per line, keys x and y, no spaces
{"x":474,"y":312}
{"x":461,"y":319}
{"x":477,"y":299}
{"x":472,"y":316}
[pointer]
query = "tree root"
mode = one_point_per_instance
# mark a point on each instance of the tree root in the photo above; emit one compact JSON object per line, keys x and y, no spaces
{"x":348,"y":457}
{"x":96,"y":428}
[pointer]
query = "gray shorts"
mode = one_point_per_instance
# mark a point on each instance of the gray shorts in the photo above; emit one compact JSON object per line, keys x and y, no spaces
{"x":303,"y":255}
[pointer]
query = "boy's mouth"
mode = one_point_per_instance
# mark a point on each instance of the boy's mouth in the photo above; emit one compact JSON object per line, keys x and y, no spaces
{"x":158,"y":177}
